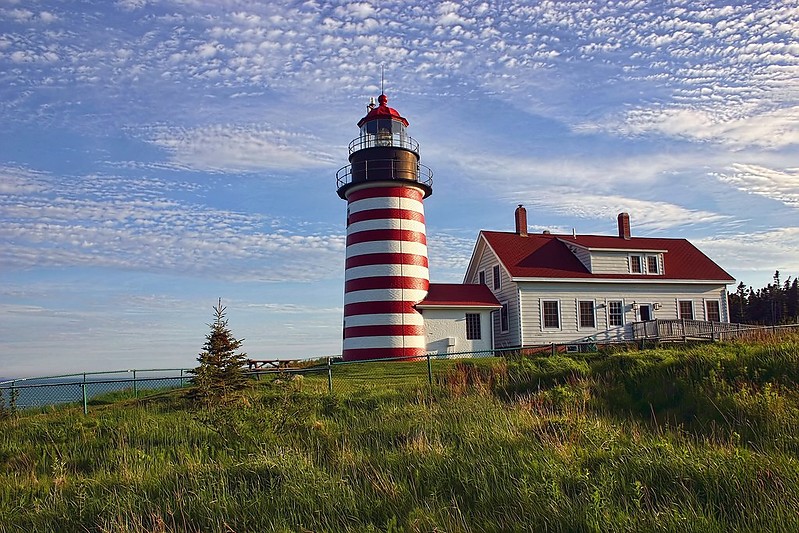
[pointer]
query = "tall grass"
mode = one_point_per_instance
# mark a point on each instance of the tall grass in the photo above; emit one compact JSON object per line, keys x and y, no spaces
{"x":702,"y":439}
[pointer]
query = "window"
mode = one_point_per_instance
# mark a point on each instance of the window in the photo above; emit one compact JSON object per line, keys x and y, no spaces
{"x":587,"y":317}
{"x":482,"y":277}
{"x":644,"y":264}
{"x":473,"y":326}
{"x":551,"y":313}
{"x":496,"y":277}
{"x":504,"y":324}
{"x":686,"y":308}
{"x":635,"y":264}
{"x":712,"y":311}
{"x":615,"y":313}
{"x":652,"y":264}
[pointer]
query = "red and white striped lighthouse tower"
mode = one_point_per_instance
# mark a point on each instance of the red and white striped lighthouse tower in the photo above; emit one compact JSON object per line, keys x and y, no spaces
{"x":386,"y":271}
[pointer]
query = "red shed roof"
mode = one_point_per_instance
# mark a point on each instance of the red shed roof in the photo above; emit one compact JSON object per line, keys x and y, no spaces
{"x":548,"y":256}
{"x":459,"y":295}
{"x":382,"y":111}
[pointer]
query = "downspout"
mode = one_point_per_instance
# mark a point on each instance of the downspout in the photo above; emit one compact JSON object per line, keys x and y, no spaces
{"x":492,"y":316}
{"x":519,"y":314}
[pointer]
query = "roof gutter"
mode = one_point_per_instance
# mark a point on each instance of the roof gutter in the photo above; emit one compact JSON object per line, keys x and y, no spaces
{"x":649,"y":280}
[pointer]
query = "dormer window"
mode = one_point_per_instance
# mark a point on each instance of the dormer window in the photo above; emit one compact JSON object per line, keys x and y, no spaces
{"x":645,"y":264}
{"x":652,"y":264}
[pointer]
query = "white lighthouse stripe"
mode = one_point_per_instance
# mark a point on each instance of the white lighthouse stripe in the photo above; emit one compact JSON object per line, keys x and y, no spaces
{"x":371,"y":271}
{"x":388,"y":202}
{"x":387,"y":247}
{"x":384,"y":295}
{"x":386,"y":341}
{"x":386,"y":223}
{"x":384,"y":319}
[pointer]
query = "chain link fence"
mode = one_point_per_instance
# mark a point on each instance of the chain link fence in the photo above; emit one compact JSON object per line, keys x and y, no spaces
{"x":323,"y":375}
{"x":89,"y":388}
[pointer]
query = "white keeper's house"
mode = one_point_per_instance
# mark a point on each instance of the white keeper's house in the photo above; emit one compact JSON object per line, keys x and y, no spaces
{"x":571,"y":288}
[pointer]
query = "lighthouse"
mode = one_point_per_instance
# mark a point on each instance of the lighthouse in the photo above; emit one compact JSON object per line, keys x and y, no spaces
{"x":386,"y":269}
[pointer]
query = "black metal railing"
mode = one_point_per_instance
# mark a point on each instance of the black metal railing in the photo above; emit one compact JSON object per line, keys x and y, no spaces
{"x":395,"y":140}
{"x":384,"y":169}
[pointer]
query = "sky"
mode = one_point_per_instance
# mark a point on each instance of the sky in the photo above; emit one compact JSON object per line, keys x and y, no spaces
{"x":158,"y":155}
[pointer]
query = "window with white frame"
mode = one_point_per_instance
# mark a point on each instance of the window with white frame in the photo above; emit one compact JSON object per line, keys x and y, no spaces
{"x":644,"y":264}
{"x":615,"y":313}
{"x":481,"y":276}
{"x":550,"y":314}
{"x":473,"y":326}
{"x":504,"y":323}
{"x":636,"y":264}
{"x":685,"y":309}
{"x":496,"y":277}
{"x":712,"y":311}
{"x":652,"y":264}
{"x":587,"y":314}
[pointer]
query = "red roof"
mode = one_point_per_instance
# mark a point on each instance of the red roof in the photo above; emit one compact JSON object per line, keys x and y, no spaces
{"x":548,"y":256}
{"x":459,"y":295}
{"x":382,"y":111}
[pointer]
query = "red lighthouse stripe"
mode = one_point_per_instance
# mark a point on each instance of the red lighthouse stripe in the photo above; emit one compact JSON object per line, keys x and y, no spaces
{"x":386,"y":235}
{"x":388,"y":213}
{"x":380,"y":192}
{"x":368,"y":308}
{"x":358,"y":354}
{"x":386,"y":282}
{"x":386,"y":259}
{"x":372,"y":331}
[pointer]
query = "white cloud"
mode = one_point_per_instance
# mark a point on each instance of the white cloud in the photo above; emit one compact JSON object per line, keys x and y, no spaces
{"x":767,"y":129}
{"x":649,"y":215}
{"x":19,"y":181}
{"x":47,"y":17}
{"x":763,"y":251}
{"x":103,"y":221}
{"x":237,"y":148}
{"x":779,"y":185}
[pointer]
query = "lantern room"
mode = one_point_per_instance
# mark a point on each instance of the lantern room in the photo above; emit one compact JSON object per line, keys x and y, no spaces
{"x":383,"y":152}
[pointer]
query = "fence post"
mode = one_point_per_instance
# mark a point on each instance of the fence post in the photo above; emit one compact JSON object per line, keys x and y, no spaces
{"x":85,"y":397}
{"x":135,"y":385}
{"x":182,"y":381}
{"x":12,"y":400}
{"x":429,"y":370}
{"x":329,"y":375}
{"x":553,"y":348}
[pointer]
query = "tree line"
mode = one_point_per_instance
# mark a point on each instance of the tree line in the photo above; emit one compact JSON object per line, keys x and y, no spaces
{"x":776,"y":303}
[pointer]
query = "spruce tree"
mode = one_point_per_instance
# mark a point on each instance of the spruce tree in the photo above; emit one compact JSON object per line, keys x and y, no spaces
{"x":220,"y":373}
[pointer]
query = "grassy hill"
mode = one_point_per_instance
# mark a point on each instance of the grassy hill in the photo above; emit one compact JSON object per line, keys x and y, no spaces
{"x":704,"y":438}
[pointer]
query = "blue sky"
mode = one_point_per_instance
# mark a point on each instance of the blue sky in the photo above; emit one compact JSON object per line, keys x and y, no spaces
{"x":157,"y":155}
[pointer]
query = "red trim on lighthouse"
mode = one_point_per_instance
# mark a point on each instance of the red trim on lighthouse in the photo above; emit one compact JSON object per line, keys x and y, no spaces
{"x":362,"y":354}
{"x":372,"y":235}
{"x":385,"y":282}
{"x":389,"y":214}
{"x":386,"y":259}
{"x":383,"y":330}
{"x":380,"y":307}
{"x":383,"y":192}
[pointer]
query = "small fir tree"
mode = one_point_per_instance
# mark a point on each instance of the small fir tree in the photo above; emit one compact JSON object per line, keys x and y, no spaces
{"x":220,"y":372}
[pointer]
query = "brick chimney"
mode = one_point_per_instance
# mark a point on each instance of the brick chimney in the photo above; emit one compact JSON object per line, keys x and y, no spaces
{"x":624,"y":226}
{"x":521,"y":220}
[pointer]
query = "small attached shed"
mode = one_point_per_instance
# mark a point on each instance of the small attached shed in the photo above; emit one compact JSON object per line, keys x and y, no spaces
{"x":457,"y":318}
